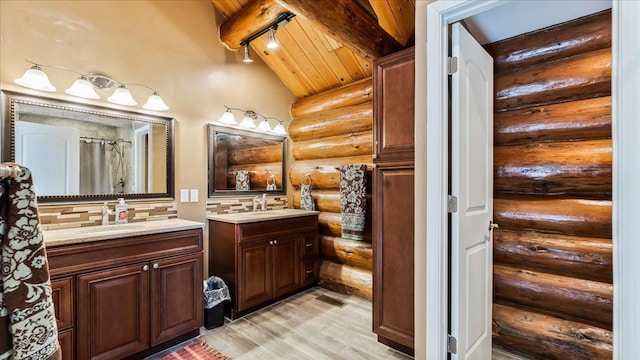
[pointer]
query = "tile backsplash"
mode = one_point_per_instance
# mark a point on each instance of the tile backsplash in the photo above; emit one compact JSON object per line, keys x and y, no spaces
{"x":243,"y":204}
{"x":90,"y":214}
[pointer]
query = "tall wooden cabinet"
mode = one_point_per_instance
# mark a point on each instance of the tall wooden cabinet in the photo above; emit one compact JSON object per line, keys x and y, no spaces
{"x":393,"y":199}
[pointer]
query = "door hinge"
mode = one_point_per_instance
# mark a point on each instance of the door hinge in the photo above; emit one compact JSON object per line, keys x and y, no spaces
{"x":452,"y":65}
{"x":452,"y":203}
{"x":452,"y":344}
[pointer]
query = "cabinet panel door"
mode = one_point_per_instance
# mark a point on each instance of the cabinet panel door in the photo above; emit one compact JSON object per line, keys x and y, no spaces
{"x":113,"y":312}
{"x":393,"y":106}
{"x":176,"y":297}
{"x":286,"y":265}
{"x":62,"y":296}
{"x":254,"y":272}
{"x":393,"y":246}
{"x":65,"y":338}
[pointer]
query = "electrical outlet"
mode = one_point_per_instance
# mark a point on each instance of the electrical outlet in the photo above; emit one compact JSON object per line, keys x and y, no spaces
{"x":184,"y":195}
{"x":194,"y":195}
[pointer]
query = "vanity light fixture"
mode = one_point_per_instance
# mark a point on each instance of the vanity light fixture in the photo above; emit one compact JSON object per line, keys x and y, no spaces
{"x":248,"y":121}
{"x":85,"y":85}
{"x":281,"y":20}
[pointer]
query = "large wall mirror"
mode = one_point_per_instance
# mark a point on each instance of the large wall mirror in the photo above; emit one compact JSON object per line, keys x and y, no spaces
{"x":245,"y":162}
{"x":79,"y":152}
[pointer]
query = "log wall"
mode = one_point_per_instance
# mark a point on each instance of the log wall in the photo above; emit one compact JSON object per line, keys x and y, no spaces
{"x":328,"y":130}
{"x":553,"y":286}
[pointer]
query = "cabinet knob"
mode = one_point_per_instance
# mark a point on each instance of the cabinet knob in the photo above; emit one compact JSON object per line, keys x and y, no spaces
{"x":309,"y":271}
{"x":271,"y":242}
{"x":308,"y":244}
{"x":374,"y":156}
{"x":145,"y":268}
{"x":275,"y":242}
{"x":155,"y":266}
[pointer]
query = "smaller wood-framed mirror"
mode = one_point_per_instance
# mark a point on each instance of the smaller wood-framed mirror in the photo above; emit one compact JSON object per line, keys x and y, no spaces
{"x":243,"y":162}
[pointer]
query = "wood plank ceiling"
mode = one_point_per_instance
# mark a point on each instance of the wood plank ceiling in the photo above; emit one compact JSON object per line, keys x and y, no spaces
{"x":309,"y":60}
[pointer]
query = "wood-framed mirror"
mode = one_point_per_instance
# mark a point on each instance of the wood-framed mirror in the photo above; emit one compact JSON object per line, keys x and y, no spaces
{"x":80,"y":152}
{"x":244,"y":162}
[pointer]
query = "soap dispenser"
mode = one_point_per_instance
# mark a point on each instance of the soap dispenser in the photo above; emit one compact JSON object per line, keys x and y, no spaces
{"x":121,"y":212}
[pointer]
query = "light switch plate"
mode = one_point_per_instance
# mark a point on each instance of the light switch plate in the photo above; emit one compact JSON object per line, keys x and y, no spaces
{"x":194,"y":195}
{"x":184,"y":195}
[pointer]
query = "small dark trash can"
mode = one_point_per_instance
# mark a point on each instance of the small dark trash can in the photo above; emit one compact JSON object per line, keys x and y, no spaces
{"x":216,"y":296}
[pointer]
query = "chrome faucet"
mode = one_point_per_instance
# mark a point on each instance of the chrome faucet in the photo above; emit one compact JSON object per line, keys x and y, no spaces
{"x":105,"y":213}
{"x":256,"y":203}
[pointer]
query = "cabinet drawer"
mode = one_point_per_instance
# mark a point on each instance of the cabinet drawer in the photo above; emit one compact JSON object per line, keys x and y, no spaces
{"x":310,"y":271}
{"x":62,"y":296}
{"x":309,"y":244}
{"x":65,"y":338}
{"x":275,"y":228}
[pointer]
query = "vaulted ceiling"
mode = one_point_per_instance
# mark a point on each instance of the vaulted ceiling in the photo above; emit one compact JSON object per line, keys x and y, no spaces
{"x":328,"y":44}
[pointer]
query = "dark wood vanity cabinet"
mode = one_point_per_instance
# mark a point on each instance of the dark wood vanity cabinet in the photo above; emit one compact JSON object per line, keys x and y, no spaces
{"x":393,"y":200}
{"x":263,"y":261}
{"x":133,"y":296}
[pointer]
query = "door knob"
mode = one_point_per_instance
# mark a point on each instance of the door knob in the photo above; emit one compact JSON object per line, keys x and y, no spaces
{"x":492,"y":225}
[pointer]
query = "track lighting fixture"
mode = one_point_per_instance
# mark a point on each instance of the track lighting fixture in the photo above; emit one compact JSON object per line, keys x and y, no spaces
{"x":248,"y":121}
{"x":85,"y":85}
{"x":247,"y":57}
{"x":281,"y":20}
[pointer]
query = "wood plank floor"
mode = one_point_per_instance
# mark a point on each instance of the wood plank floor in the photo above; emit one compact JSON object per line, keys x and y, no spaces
{"x":316,"y":324}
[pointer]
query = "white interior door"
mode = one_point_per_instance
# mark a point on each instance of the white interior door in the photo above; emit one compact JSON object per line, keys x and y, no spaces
{"x":472,"y":184}
{"x":52,"y":154}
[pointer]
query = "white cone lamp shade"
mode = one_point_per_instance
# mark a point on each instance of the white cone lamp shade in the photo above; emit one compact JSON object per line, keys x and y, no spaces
{"x":228,"y":118}
{"x":272,"y":43}
{"x":264,"y":126}
{"x":83,"y":88}
{"x":247,"y":123}
{"x":279,"y":129}
{"x":155,"y":102}
{"x":122,"y":96}
{"x":36,"y":79}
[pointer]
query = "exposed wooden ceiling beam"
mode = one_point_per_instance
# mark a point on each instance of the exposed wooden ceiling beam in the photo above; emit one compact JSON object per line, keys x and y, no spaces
{"x":347,"y":22}
{"x":253,"y":17}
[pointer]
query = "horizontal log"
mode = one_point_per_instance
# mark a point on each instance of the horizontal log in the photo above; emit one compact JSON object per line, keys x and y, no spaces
{"x":324,"y":173}
{"x":575,"y":120}
{"x":569,"y":167}
{"x":548,"y":337}
{"x":258,"y":173}
{"x":251,"y":18}
{"x":351,"y":94}
{"x":572,"y":38}
{"x":346,"y":279}
{"x":346,"y":251}
{"x":348,"y":23}
{"x":334,"y":146}
{"x":346,"y":120}
{"x":259,"y":155}
{"x":331,"y":224}
{"x":586,"y":301}
{"x":591,"y":218}
{"x":576,"y":256}
{"x":580,"y":77}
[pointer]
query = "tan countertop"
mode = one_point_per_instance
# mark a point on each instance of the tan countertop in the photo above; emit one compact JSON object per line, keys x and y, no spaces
{"x":249,"y":217}
{"x":105,"y":232}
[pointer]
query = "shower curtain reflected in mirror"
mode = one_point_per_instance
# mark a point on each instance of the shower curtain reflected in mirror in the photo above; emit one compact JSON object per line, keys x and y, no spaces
{"x":95,"y":170}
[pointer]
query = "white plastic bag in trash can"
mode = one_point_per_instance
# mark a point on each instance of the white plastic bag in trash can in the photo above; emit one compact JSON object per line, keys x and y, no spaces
{"x":215,"y":292}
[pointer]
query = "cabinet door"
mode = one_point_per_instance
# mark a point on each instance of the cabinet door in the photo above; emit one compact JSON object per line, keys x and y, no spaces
{"x":286,"y":265}
{"x":393,"y":106}
{"x":176,"y":297}
{"x":393,"y":247}
{"x":254,"y":273}
{"x":113,"y":312}
{"x":62,"y":296}
{"x":65,"y":338}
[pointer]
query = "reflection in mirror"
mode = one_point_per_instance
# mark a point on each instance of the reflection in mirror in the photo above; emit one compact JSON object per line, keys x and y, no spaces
{"x":81,"y":152}
{"x":244,"y":161}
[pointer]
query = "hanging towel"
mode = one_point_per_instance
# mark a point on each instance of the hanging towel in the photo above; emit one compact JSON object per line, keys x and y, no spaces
{"x":243,"y":180}
{"x":28,"y":327}
{"x":353,"y":200}
{"x":306,"y":201}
